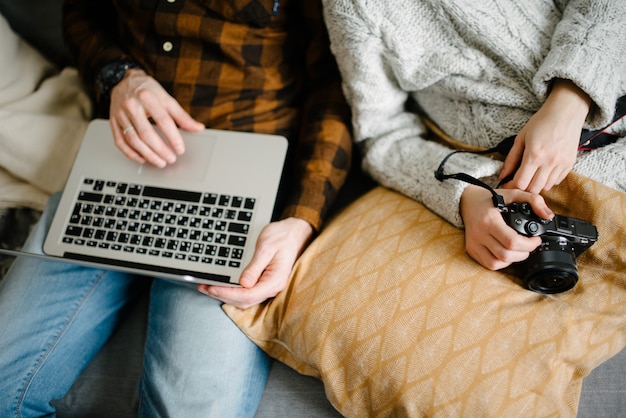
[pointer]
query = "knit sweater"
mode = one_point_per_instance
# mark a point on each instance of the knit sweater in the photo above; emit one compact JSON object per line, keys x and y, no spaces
{"x":479,"y":70}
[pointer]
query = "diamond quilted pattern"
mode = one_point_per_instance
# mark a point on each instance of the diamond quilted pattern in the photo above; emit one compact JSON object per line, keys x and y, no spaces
{"x":388,"y":310}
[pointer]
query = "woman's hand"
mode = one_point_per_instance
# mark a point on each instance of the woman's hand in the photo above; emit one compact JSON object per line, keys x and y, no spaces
{"x":488,"y":239}
{"x":136,"y":102}
{"x":545,"y":149}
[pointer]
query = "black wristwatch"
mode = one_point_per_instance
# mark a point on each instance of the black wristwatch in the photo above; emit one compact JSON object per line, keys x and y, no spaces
{"x":111,"y":74}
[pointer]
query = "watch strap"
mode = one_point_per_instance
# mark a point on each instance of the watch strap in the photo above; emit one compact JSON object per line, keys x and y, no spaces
{"x":111,"y":74}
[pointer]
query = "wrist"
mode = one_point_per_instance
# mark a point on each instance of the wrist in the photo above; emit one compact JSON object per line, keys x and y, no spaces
{"x":302,"y":229}
{"x":111,"y":74}
{"x":568,"y":97}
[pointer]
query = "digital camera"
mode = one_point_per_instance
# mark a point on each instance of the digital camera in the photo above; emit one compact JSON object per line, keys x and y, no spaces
{"x":551,"y":267}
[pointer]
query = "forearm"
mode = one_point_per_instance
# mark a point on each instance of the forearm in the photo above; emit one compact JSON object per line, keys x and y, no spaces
{"x":89,"y":29}
{"x":589,"y":48}
{"x":408,"y":166}
{"x":324,"y":146}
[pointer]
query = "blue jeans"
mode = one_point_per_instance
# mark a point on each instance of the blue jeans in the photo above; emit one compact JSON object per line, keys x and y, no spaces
{"x":56,"y":316}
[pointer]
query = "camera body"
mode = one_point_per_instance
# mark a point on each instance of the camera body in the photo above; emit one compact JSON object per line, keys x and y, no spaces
{"x":551,"y":267}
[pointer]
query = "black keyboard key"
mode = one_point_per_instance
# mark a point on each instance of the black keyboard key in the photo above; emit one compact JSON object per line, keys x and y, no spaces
{"x":237,"y":201}
{"x":249,"y":203}
{"x":209,"y":198}
{"x":134,"y":189}
{"x":99,"y":185}
{"x":90,"y":197}
{"x":162,"y":193}
{"x":223,"y":252}
{"x":237,"y":240}
{"x":238,"y":228}
{"x":121,"y":188}
{"x":74,"y":231}
{"x":77,"y":209}
{"x":224,"y":200}
{"x":220,"y":238}
{"x":244,"y":216}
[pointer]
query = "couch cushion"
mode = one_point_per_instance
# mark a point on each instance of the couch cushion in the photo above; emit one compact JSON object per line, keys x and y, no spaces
{"x":390,"y":312}
{"x":604,"y":390}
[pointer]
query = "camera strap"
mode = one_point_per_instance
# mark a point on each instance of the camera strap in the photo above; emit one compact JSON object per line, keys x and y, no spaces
{"x":589,"y":140}
{"x":498,"y":200}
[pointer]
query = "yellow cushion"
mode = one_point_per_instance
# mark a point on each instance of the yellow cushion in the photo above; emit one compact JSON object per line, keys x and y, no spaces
{"x":386,"y":307}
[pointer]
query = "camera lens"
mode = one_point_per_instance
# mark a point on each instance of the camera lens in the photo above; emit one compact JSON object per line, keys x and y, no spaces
{"x":552,"y":269}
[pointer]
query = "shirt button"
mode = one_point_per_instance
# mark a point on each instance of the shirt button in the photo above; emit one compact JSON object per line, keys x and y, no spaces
{"x":167,"y":46}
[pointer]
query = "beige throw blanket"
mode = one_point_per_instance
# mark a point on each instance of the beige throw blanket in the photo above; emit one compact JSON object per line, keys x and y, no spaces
{"x":43,"y":116}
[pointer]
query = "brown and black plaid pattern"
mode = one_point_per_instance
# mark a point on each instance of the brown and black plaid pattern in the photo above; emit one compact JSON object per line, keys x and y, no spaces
{"x":234,"y":64}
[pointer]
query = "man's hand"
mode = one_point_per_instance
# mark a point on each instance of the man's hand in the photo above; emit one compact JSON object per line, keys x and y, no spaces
{"x":279,"y":245}
{"x":488,"y":239}
{"x":134,"y":100}
{"x":546,"y":147}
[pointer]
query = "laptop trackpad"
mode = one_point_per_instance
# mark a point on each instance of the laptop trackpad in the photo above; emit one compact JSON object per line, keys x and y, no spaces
{"x":192,"y":165}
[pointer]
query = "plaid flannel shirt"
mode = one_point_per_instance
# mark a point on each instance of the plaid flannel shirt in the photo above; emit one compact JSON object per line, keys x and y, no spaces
{"x":250,"y":65}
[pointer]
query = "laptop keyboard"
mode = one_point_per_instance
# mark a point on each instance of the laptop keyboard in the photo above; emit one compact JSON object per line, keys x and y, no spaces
{"x":204,"y":227}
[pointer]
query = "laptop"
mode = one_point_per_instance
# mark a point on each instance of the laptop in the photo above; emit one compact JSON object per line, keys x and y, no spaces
{"x":196,"y":220}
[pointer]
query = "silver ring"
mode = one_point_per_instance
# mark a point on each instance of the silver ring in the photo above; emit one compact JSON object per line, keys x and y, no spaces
{"x":128,"y":129}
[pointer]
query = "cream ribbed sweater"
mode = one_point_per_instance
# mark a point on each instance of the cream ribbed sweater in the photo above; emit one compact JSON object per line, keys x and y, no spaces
{"x":479,"y":69}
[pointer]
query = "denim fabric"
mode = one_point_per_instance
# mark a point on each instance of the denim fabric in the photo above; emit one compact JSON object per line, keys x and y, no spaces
{"x":55,"y":317}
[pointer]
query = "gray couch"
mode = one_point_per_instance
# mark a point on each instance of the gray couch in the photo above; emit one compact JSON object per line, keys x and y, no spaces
{"x":107,"y":387}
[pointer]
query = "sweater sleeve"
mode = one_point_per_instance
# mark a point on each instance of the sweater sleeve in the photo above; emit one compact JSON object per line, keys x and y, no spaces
{"x":90,"y":33}
{"x":589,"y":48}
{"x":395,"y":152}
